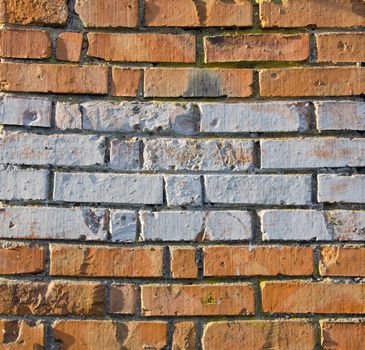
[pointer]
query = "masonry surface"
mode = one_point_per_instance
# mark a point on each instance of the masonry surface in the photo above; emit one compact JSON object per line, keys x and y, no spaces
{"x":182,"y":174}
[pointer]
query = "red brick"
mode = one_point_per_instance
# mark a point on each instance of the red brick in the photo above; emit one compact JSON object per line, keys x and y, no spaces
{"x":123,"y":298}
{"x":340,"y":47}
{"x":327,"y":81}
{"x":69,"y":46}
{"x":110,"y":335}
{"x":253,"y":335}
{"x":319,"y":13}
{"x":104,"y":261}
{"x":195,"y":82}
{"x":57,"y":78}
{"x":258,"y":261}
{"x":257,"y":47}
{"x":183,"y":263}
{"x":184,"y":336}
{"x":197,"y":300}
{"x":142,"y":47}
{"x":126,"y":81}
{"x":313,"y":297}
{"x":24,"y":44}
{"x":108,"y":13}
{"x":191,"y":13}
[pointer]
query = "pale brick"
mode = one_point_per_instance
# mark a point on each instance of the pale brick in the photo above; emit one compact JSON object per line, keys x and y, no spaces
{"x":108,"y":188}
{"x":341,"y":189}
{"x":27,"y":111}
{"x":258,"y":189}
{"x":192,"y":154}
{"x":68,"y":116}
{"x":254,"y":117}
{"x":340,"y":115}
{"x":17,"y":184}
{"x":183,"y":190}
{"x":124,"y":155}
{"x":313,"y":153}
{"x":58,"y":150}
{"x":123,"y":225}
{"x":53,"y":223}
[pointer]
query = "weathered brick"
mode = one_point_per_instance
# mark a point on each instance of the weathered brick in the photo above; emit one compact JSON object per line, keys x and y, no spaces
{"x":341,"y":189}
{"x":16,"y":335}
{"x":188,"y":13}
{"x":257,"y":47}
{"x":312,"y":297}
{"x":124,"y":155}
{"x":141,"y":47}
{"x":258,"y":261}
{"x":18,"y":258}
{"x":58,"y":149}
{"x":18,"y":184}
{"x":108,"y":188}
{"x":111,"y":335}
{"x":342,"y":334}
{"x":184,"y":336}
{"x":183,"y":263}
{"x":34,"y":12}
{"x":258,"y":334}
{"x":254,"y":117}
{"x":192,"y":154}
{"x":340,"y":115}
{"x":126,"y":81}
{"x":183,"y":190}
{"x":328,"y":152}
{"x":68,"y":47}
{"x":26,"y":111}
{"x":108,"y":13}
{"x":197,"y":82}
{"x":313,"y":81}
{"x":318,"y":13}
{"x":123,"y":225}
{"x":53,"y":223}
{"x":57,"y":78}
{"x":123,"y":298}
{"x":197,"y":300}
{"x":92,"y":261}
{"x":51,"y":298}
{"x":258,"y":189}
{"x":68,"y":116}
{"x":131,"y":117}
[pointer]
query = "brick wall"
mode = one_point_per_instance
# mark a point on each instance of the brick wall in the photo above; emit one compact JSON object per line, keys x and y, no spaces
{"x":182,"y":174}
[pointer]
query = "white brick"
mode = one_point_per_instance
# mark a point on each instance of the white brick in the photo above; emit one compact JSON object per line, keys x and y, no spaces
{"x":123,"y":225}
{"x":68,"y":116}
{"x":183,"y":190}
{"x":313,"y":153}
{"x":27,"y":111}
{"x":108,"y":188}
{"x":340,"y":115}
{"x":189,"y":154}
{"x":17,"y":184}
{"x":254,"y":117}
{"x":258,"y":189}
{"x":33,"y":149}
{"x":124,"y":155}
{"x":345,"y":189}
{"x":53,"y":223}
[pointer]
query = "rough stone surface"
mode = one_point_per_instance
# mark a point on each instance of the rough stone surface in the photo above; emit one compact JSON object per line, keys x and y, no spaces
{"x":183,"y":190}
{"x":183,"y":262}
{"x":184,"y":336}
{"x":123,"y":298}
{"x":123,"y":225}
{"x":124,"y":155}
{"x":68,"y":116}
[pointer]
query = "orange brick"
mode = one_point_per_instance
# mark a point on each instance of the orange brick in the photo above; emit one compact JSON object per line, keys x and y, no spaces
{"x":183,"y":263}
{"x":108,"y":13}
{"x":197,"y":300}
{"x":327,"y":81}
{"x":252,"y":335}
{"x":57,"y":78}
{"x":126,"y":81}
{"x":341,"y":47}
{"x":17,"y":258}
{"x":142,"y":47}
{"x":69,"y":46}
{"x":104,"y":261}
{"x":343,"y":335}
{"x":123,"y":298}
{"x":257,"y":47}
{"x":191,"y":13}
{"x":24,"y":44}
{"x":54,"y":298}
{"x":110,"y":335}
{"x":195,"y":82}
{"x":313,"y":297}
{"x":319,"y":13}
{"x":258,"y":261}
{"x":184,"y":336}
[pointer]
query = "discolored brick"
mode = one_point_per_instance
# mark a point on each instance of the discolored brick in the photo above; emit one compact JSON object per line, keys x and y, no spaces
{"x":123,"y":298}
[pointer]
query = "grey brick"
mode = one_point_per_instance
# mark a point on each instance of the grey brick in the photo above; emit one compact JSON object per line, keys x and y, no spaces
{"x":183,"y":190}
{"x":123,"y":225}
{"x":68,"y":116}
{"x":124,"y":155}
